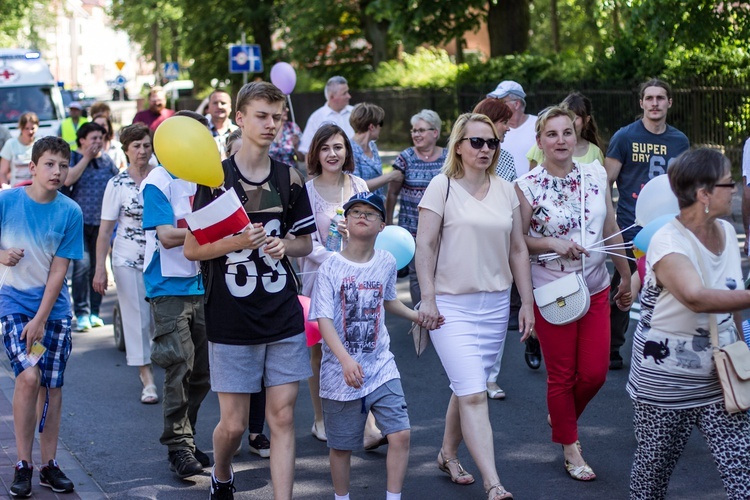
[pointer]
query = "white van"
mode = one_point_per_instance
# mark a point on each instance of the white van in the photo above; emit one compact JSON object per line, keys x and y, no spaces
{"x":26,"y":84}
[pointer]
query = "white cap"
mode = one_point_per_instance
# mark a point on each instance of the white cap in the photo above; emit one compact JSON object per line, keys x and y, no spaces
{"x":506,"y":88}
{"x":75,"y":105}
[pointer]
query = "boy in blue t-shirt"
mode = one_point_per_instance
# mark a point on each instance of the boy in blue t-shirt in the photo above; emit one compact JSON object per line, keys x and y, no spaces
{"x":358,"y":373}
{"x":35,"y":306}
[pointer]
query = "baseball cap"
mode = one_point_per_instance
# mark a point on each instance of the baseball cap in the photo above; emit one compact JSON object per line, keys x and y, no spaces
{"x":75,"y":105}
{"x":372,"y":199}
{"x":506,"y":88}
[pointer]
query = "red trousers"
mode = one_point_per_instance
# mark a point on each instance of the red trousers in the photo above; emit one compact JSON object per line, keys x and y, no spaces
{"x":577,"y":360}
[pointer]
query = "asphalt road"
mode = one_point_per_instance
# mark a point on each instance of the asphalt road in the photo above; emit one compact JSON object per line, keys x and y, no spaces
{"x":116,"y":438}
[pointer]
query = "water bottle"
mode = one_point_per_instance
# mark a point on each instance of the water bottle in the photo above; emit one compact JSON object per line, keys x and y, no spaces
{"x":334,"y":240}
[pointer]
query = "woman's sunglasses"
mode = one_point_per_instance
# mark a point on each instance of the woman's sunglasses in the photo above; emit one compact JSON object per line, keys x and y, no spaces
{"x":478,"y":142}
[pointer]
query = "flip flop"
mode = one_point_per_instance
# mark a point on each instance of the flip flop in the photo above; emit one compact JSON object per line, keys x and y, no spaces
{"x":149,"y":396}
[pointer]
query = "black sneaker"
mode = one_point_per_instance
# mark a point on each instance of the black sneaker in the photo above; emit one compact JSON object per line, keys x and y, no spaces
{"x":183,"y":463}
{"x":222,"y":491}
{"x":51,"y":476}
{"x":21,"y":486}
{"x":533,"y":354}
{"x":261,"y":446}
{"x":202,"y":457}
{"x":615,"y":361}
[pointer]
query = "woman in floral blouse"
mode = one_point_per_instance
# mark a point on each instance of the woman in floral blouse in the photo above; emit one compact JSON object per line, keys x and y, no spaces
{"x":122,"y":207}
{"x":576,"y":354}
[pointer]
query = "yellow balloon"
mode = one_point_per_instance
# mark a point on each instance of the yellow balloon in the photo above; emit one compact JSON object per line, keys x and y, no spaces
{"x":188,"y":150}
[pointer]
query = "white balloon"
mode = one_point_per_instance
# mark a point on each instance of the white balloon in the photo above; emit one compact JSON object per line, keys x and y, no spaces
{"x":655,"y":199}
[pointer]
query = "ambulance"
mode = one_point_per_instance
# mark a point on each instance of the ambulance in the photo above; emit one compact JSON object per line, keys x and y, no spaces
{"x":26,"y":84}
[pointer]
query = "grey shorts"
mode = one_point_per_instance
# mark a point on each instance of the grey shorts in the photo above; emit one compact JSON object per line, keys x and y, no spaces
{"x":345,"y":420}
{"x":240,"y":368}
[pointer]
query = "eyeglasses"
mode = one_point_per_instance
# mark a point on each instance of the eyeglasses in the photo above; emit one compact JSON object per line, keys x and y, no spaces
{"x":478,"y":142}
{"x":730,"y":185}
{"x":420,"y":131}
{"x":358,"y":214}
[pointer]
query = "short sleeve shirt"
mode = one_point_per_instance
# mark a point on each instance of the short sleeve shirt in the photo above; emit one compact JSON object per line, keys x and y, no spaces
{"x":351,"y":294}
{"x":643,"y":156}
{"x":475,"y":232}
{"x":49,"y":230}
{"x":88,"y":191}
{"x":121,"y":203}
{"x":673,"y":364}
{"x":19,"y":157}
{"x":417,"y":176}
{"x":368,"y":167}
{"x":250,"y":302}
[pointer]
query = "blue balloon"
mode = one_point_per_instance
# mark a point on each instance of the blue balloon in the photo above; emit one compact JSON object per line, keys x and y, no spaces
{"x":643,"y":238}
{"x":398,"y":242}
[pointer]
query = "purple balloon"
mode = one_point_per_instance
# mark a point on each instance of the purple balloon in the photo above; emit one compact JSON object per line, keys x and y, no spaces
{"x":284,"y":77}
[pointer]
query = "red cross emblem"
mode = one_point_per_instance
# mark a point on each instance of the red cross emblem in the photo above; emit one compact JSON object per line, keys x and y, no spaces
{"x":7,"y":74}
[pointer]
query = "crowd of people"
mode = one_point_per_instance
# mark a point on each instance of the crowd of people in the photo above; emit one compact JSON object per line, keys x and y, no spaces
{"x":526,"y":199}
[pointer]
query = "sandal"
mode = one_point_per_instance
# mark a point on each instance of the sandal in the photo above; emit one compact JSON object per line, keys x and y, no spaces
{"x":461,"y":477}
{"x":149,"y":396}
{"x":580,"y":472}
{"x":500,"y":493}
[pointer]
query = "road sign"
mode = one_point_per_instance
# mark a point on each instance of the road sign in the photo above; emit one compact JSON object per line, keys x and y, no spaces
{"x":120,"y":64}
{"x":245,"y":59}
{"x":171,"y":71}
{"x":120,"y":80}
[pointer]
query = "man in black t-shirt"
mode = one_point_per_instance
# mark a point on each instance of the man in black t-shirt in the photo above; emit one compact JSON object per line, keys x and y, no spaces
{"x":637,"y":153}
{"x":254,"y":320}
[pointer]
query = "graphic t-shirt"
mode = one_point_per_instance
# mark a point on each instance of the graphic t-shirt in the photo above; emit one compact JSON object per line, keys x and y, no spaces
{"x":351,"y":294}
{"x":47,"y":230}
{"x":250,"y":302}
{"x":673,"y":364}
{"x":19,"y":157}
{"x":643,"y":156}
{"x":121,"y":203}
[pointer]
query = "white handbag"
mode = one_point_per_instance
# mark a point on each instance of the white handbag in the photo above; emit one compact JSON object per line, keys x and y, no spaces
{"x":566,"y":299}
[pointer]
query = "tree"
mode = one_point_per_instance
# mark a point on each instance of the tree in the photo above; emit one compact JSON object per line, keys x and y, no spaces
{"x":15,"y":22}
{"x":508,"y":23}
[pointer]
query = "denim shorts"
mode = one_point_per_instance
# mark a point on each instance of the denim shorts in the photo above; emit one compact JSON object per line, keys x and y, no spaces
{"x":240,"y":368}
{"x":57,"y":340}
{"x":345,"y":420}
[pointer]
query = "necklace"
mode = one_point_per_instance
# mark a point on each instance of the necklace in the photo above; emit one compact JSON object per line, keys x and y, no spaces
{"x":426,"y":155}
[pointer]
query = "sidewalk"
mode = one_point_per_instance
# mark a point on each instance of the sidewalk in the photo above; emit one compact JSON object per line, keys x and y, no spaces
{"x":86,"y":487}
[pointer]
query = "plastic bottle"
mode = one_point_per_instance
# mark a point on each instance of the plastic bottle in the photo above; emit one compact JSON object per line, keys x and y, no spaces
{"x":334,"y":240}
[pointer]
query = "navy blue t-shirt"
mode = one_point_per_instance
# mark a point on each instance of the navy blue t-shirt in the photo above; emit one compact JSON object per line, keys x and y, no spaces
{"x":643,"y":155}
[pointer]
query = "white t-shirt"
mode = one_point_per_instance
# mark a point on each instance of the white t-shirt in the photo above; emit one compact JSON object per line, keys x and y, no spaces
{"x":321,"y":116}
{"x":673,"y":364}
{"x":518,"y":141}
{"x":351,"y":294}
{"x":19,"y":157}
{"x":475,"y":244}
{"x":121,"y":203}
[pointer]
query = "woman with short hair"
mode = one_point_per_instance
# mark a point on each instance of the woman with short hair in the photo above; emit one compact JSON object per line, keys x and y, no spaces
{"x":367,"y":121}
{"x":693,"y":278}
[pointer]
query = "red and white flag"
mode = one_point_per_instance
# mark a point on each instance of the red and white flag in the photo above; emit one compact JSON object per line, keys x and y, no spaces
{"x":222,"y":217}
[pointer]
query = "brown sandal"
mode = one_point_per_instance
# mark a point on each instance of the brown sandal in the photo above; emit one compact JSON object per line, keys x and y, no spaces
{"x":500,"y":493}
{"x":462,"y":477}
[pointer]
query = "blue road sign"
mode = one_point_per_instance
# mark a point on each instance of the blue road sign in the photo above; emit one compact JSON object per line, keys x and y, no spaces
{"x":245,"y":59}
{"x":120,"y":80}
{"x":171,"y":71}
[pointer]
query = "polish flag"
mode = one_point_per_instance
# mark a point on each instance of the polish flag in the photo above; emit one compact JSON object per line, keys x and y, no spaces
{"x":222,"y":217}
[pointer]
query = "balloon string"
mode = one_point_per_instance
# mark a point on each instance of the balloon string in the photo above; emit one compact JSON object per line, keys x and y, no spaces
{"x":291,"y":108}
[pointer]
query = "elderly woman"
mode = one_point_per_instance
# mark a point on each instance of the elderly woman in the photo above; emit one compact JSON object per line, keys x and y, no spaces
{"x":122,"y":207}
{"x":418,"y":164}
{"x":367,"y":121}
{"x":469,"y":215}
{"x":15,"y":155}
{"x":693,"y":278}
{"x":330,"y":164}
{"x":577,"y":354}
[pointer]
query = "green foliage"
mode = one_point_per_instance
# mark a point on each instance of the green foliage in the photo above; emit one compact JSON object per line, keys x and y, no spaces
{"x":16,"y":18}
{"x":426,"y":68}
{"x":567,"y":67}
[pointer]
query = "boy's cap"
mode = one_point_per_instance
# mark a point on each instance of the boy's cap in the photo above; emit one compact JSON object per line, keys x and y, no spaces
{"x":506,"y":88}
{"x":372,"y":199}
{"x":75,"y":105}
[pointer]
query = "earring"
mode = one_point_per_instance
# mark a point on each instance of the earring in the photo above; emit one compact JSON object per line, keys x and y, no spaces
{"x":706,"y":209}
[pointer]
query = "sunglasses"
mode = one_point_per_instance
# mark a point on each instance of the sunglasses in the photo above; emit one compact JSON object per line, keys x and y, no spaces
{"x":726,"y":185}
{"x":478,"y":142}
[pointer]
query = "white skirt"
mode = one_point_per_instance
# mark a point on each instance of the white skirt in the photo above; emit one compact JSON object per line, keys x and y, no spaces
{"x":470,"y":340}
